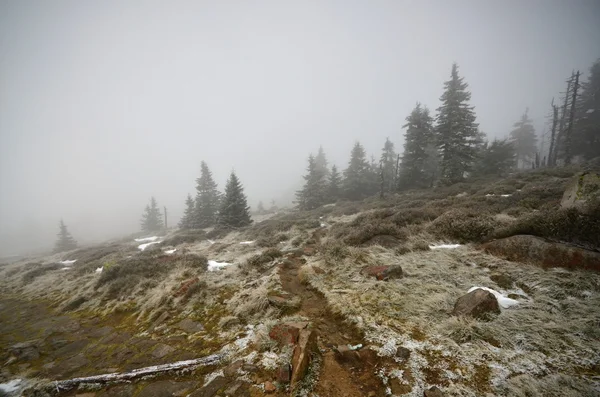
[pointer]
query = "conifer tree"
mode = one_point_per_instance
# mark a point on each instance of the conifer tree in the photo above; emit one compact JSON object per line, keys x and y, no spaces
{"x":321,"y":162}
{"x":356,"y":184}
{"x":496,"y":158}
{"x":207,"y":198}
{"x":335,"y":185}
{"x":388,"y":165}
{"x":374,"y":177}
{"x":188,"y":219}
{"x":524,"y":140}
{"x":419,"y":160}
{"x":260,"y":209}
{"x":456,"y":130}
{"x":314,"y":192}
{"x":234,"y":211}
{"x":65,"y":241}
{"x":586,"y":134}
{"x":152,"y":217}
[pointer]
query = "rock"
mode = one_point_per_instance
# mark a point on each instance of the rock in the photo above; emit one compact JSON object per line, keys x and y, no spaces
{"x":318,"y":270}
{"x":476,"y":303}
{"x":234,"y":388}
{"x":344,"y":354}
{"x":307,"y":344}
{"x":186,"y":285}
{"x":581,"y":190}
{"x":270,"y":387}
{"x":537,"y":251}
{"x":162,"y":350}
{"x":232,"y":369}
{"x":504,"y":281}
{"x":309,"y":251}
{"x":383,"y":272}
{"x":190,"y":326}
{"x":286,"y":333}
{"x":403,"y":353}
{"x":25,"y":351}
{"x":211,"y":388}
{"x":284,"y":373}
{"x":159,"y":321}
{"x":433,"y":392}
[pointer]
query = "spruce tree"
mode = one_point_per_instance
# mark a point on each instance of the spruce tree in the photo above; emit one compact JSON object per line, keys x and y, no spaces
{"x":314,"y":192}
{"x":321,"y":162}
{"x":234,"y":211}
{"x":496,"y":158}
{"x":65,"y":241}
{"x":419,"y":160}
{"x":188,"y":219}
{"x":357,"y":181}
{"x":586,"y":133}
{"x":524,"y":140}
{"x":152,"y":218}
{"x":456,"y":130}
{"x":207,"y":198}
{"x":388,"y":164}
{"x":334,"y":185}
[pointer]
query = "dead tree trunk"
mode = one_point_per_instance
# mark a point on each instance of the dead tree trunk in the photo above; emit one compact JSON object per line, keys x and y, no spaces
{"x":563,"y":119}
{"x":382,"y":181}
{"x":397,"y":173}
{"x":553,"y":135}
{"x":568,"y":135}
{"x":166,"y":226}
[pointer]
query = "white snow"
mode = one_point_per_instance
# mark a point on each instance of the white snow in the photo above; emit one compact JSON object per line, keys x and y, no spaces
{"x":501,"y":195}
{"x":590,"y":111}
{"x":169,"y":252}
{"x":211,"y":242}
{"x":247,"y":242}
{"x":143,"y":246}
{"x":323,"y":224}
{"x":145,"y":239}
{"x":68,"y":262}
{"x":10,"y":386}
{"x":65,"y":268}
{"x":505,"y":195}
{"x":214,"y":265}
{"x":443,"y":246}
{"x":503,"y":301}
{"x":99,"y":269}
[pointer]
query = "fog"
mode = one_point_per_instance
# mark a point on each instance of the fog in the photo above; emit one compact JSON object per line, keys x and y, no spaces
{"x":106,"y":103}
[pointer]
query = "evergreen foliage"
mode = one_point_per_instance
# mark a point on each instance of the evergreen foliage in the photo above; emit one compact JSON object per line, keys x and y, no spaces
{"x":496,"y":158}
{"x":152,"y":217}
{"x":207,"y":198}
{"x":234,"y":211}
{"x":357,"y":177}
{"x":524,"y":140}
{"x":65,"y":241}
{"x":419,"y":161}
{"x":314,"y":192}
{"x":188,"y":219}
{"x":456,"y":130}
{"x":586,"y":134}
{"x":388,"y":164}
{"x":334,"y":185}
{"x":321,"y":162}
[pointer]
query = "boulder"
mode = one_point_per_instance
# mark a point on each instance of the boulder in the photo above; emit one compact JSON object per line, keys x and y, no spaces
{"x":476,"y":303}
{"x":403,"y":353}
{"x":211,"y":389}
{"x":25,"y":351}
{"x":584,"y":188}
{"x":232,"y":369}
{"x":284,"y":373}
{"x":270,"y":387}
{"x":309,"y":251}
{"x":190,"y":326}
{"x":286,"y":333}
{"x":537,"y":251}
{"x":307,"y":344}
{"x":383,"y":272}
{"x":433,"y":392}
{"x":162,"y":350}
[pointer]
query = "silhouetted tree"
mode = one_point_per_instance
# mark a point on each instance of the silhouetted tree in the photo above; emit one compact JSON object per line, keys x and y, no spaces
{"x":388,"y":165}
{"x":152,"y":217}
{"x":586,"y":134}
{"x":65,"y":241}
{"x":419,"y":160}
{"x":356,"y":184}
{"x":188,"y":219}
{"x":456,"y":130}
{"x":314,"y":192}
{"x":524,"y":140}
{"x":321,"y":162}
{"x":335,"y":185}
{"x":207,"y":198}
{"x":235,"y":211}
{"x":496,"y":158}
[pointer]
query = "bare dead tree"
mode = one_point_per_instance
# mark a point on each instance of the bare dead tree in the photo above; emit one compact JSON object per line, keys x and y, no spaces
{"x":568,"y":135}
{"x":382,"y":181}
{"x":563,"y":119}
{"x":166,"y":227}
{"x":553,"y":135}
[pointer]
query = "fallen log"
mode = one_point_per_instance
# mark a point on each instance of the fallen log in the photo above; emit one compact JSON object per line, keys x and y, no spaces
{"x":116,"y":377}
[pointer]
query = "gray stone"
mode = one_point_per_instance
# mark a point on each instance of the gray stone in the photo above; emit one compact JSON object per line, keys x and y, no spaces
{"x":162,"y":350}
{"x":190,"y":326}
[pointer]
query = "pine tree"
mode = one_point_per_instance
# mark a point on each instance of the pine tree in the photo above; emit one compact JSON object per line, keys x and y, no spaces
{"x":260,"y":209}
{"x":188,"y":219}
{"x":388,"y":164}
{"x":65,"y":241}
{"x":356,"y":184}
{"x":234,"y":211}
{"x":321,"y":162}
{"x":207,"y":198}
{"x":152,"y":218}
{"x":586,"y":134}
{"x":334,"y":186}
{"x":496,"y":158}
{"x":524,"y":139}
{"x":456,"y":130}
{"x":419,"y":161}
{"x":314,"y":192}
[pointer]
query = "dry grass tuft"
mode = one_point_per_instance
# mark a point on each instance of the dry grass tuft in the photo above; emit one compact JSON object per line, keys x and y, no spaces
{"x":463,"y":226}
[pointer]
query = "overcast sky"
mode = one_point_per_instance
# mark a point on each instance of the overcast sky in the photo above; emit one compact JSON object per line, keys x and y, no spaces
{"x":106,"y":103}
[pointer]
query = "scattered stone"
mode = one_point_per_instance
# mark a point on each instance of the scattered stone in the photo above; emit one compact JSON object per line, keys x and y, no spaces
{"x":190,"y":326}
{"x":309,"y":251}
{"x":344,"y":354}
{"x":270,"y":387}
{"x":211,"y":388}
{"x":403,"y":353}
{"x":232,"y":369}
{"x":583,"y":189}
{"x":433,"y":392}
{"x":159,"y":321}
{"x":307,"y":343}
{"x":398,"y":388}
{"x":250,"y":368}
{"x":476,"y":303}
{"x":286,"y":333}
{"x":162,"y":350}
{"x":25,"y":351}
{"x":234,"y":388}
{"x":118,"y":391}
{"x":383,"y":272}
{"x":318,"y":270}
{"x":284,"y":373}
{"x":186,"y":285}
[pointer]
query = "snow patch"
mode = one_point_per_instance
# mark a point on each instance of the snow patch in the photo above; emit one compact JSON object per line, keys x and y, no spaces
{"x":503,"y":301}
{"x":214,"y":265}
{"x":270,"y":360}
{"x":99,"y":269}
{"x":246,"y":242}
{"x":146,"y":239}
{"x":65,"y":268}
{"x":144,"y":246}
{"x":169,"y":252}
{"x":68,"y":262}
{"x":211,"y":242}
{"x":11,"y":386}
{"x":501,"y":195}
{"x":444,"y":246}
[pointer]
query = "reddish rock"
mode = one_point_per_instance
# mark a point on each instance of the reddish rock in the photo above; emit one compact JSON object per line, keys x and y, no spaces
{"x":309,"y":251}
{"x":433,"y":392}
{"x":287,"y":333}
{"x":270,"y":387}
{"x":476,"y":304}
{"x":185,"y":286}
{"x":307,"y":344}
{"x":318,"y":270}
{"x":383,"y":272}
{"x":284,"y":373}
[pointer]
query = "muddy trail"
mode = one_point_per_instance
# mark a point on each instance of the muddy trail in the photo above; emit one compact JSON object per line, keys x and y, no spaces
{"x":348,"y":373}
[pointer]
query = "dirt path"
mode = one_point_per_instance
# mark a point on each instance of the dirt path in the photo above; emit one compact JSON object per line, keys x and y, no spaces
{"x":352,"y":375}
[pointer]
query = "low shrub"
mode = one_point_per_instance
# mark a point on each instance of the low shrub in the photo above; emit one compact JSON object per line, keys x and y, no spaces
{"x":265,"y":257}
{"x":194,"y":261}
{"x":122,"y":278}
{"x":334,"y":251}
{"x":463,"y":226}
{"x":39,"y":270}
{"x":74,"y":304}
{"x":185,"y":236}
{"x":356,"y":234}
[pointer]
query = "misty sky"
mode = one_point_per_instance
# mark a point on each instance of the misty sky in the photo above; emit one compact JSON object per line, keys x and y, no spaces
{"x":106,"y":103}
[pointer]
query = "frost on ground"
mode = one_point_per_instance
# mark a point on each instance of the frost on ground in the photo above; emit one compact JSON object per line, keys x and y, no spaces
{"x":443,"y":246}
{"x":214,"y":265}
{"x":246,"y":242}
{"x":503,"y":301}
{"x":11,"y":386}
{"x":67,"y":262}
{"x":142,"y":247}
{"x":171,"y":251}
{"x":146,"y":239}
